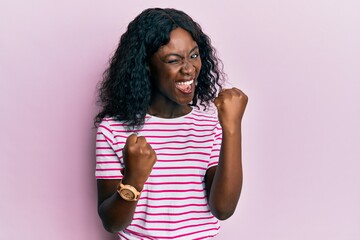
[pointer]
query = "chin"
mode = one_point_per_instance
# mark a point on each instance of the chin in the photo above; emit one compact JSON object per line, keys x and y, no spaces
{"x":185,"y":102}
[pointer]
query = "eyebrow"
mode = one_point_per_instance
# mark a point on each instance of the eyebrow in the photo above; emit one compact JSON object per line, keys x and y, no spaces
{"x":177,"y":55}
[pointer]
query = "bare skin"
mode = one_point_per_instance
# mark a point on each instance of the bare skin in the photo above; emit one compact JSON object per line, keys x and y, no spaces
{"x":224,"y":182}
{"x":179,"y":61}
{"x":115,"y":212}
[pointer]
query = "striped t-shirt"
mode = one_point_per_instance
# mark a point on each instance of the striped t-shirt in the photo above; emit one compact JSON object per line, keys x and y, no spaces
{"x":173,"y":203}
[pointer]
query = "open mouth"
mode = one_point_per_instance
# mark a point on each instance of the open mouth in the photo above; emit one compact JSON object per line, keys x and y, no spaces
{"x":185,"y":87}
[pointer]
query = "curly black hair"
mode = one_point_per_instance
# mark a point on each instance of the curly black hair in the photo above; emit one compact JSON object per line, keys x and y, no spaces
{"x":125,"y":91}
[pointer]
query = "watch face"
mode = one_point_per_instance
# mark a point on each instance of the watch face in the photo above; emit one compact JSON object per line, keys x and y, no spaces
{"x":127,"y":194}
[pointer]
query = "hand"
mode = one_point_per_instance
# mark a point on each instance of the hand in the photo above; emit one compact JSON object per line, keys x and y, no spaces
{"x":139,"y":159}
{"x":231,"y":104}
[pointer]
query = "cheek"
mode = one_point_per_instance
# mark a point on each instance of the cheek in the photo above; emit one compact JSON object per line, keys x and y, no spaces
{"x":165,"y":77}
{"x":170,"y":72}
{"x":158,"y":75}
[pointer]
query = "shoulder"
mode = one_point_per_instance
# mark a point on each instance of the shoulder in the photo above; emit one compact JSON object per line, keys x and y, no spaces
{"x":210,"y":116}
{"x":111,"y":124}
{"x":207,"y":119}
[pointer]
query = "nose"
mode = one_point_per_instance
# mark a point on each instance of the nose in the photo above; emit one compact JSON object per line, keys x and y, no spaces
{"x":187,"y":68}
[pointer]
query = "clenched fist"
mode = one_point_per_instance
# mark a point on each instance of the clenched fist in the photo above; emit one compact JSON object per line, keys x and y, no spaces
{"x":139,"y":159}
{"x":231,"y":104}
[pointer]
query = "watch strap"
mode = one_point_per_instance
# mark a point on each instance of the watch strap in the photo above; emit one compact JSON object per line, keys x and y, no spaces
{"x":130,"y":188}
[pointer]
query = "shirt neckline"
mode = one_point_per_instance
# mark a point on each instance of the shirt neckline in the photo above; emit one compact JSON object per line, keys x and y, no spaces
{"x":148,"y":116}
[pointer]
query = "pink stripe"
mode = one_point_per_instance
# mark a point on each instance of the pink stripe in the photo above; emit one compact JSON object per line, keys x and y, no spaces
{"x":212,"y":164}
{"x":108,"y":139}
{"x":212,"y":121}
{"x":205,"y":115}
{"x":188,"y":141}
{"x":169,"y":142}
{"x":109,"y":169}
{"x":171,"y":206}
{"x":179,"y":221}
{"x":173,"y":229}
{"x":170,"y":214}
{"x":173,"y":237}
{"x":106,"y":162}
{"x":172,"y":130}
{"x":118,"y":150}
{"x":141,"y":236}
{"x":173,"y":198}
{"x":208,"y":237}
{"x":169,"y":183}
{"x":183,"y":160}
{"x":122,"y":236}
{"x":211,"y":124}
{"x":176,"y":175}
{"x":182,"y":154}
{"x":106,"y":128}
{"x":185,"y":167}
{"x":109,"y":177}
{"x":182,"y":148}
{"x":164,"y":175}
{"x":103,"y":148}
{"x":177,"y":190}
{"x":115,"y":155}
{"x":106,"y":155}
{"x":172,"y":136}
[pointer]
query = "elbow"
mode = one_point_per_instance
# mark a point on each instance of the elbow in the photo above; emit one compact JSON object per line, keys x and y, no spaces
{"x":111,"y":228}
{"x":223,"y":214}
{"x":223,"y":207}
{"x":112,"y":225}
{"x":222,"y":210}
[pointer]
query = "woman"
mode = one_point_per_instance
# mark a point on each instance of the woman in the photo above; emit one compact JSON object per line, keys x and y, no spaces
{"x":166,"y":169}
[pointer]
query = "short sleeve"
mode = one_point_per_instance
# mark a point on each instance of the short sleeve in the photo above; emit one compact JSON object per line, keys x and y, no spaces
{"x":215,"y":151}
{"x":108,"y":154}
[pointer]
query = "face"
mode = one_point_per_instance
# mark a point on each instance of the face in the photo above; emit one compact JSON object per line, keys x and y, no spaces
{"x":174,"y":69}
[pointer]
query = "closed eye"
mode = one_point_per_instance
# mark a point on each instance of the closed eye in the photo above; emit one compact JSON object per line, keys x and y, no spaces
{"x":173,"y":61}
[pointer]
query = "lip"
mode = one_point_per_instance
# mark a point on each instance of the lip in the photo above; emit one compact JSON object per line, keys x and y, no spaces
{"x":189,"y":82}
{"x":185,"y":79}
{"x":186,"y":87}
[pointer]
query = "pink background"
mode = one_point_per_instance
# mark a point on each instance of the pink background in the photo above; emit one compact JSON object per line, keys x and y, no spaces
{"x":299,"y":62}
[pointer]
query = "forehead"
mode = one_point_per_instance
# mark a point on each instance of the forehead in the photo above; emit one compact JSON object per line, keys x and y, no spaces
{"x":180,"y":41}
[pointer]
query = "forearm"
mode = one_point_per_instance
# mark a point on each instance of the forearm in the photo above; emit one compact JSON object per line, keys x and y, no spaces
{"x":116,"y":213}
{"x":227,"y":182}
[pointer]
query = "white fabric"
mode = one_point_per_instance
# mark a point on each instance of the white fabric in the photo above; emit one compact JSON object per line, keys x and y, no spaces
{"x":173,"y":203}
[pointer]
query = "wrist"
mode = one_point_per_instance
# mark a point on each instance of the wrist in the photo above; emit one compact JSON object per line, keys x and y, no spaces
{"x":128,"y":192}
{"x":133,"y":182}
{"x":231,"y":129}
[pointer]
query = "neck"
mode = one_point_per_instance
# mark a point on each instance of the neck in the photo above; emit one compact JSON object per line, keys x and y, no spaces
{"x":173,"y":111}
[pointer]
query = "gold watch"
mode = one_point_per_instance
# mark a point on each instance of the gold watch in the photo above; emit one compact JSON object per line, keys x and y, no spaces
{"x":128,"y":192}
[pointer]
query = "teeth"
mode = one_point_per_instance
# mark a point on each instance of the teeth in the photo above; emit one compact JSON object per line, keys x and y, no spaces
{"x":185,"y":83}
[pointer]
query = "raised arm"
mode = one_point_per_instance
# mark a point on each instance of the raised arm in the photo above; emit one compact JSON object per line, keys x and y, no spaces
{"x":224,"y":182}
{"x":115,"y":212}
